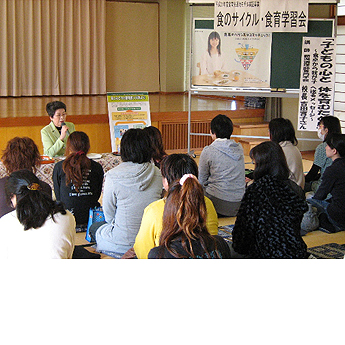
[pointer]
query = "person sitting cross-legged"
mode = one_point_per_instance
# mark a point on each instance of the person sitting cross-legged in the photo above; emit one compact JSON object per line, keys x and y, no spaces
{"x":78,"y":180}
{"x":184,"y":234}
{"x":268,"y":223}
{"x":173,"y":167}
{"x":221,"y":168}
{"x":38,"y":227}
{"x":128,"y":189}
{"x":329,"y":199}
{"x":20,"y":153}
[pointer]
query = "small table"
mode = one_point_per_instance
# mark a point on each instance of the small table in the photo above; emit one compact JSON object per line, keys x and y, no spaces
{"x":45,"y":171}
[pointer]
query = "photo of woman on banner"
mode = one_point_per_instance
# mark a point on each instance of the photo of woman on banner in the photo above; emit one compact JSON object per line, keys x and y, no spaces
{"x":227,"y":59}
{"x":212,"y":59}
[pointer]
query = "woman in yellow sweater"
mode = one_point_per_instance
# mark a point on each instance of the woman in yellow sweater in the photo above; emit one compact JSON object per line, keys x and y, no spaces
{"x":173,"y":167}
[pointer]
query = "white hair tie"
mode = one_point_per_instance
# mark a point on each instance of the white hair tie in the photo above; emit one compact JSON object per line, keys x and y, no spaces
{"x":184,"y":178}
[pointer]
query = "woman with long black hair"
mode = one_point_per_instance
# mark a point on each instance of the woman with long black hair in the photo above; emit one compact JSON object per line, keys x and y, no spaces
{"x":212,"y":59}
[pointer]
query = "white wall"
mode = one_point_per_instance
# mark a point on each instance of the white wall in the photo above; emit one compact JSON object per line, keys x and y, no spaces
{"x":339,"y":102}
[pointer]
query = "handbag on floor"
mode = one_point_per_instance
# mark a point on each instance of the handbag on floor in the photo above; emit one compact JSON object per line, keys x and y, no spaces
{"x":310,"y":221}
{"x":96,"y":214}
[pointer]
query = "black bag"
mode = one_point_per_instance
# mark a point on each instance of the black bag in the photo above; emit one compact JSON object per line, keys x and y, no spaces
{"x":81,"y":253}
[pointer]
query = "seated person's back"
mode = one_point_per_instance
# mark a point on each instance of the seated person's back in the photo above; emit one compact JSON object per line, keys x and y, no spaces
{"x":221,"y":168}
{"x":84,"y":176}
{"x":128,"y":189}
{"x":173,"y":167}
{"x":184,"y":233}
{"x":20,"y":153}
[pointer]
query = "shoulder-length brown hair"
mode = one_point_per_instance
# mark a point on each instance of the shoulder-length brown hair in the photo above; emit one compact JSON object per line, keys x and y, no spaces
{"x":185,"y":217}
{"x":157,"y":144}
{"x":21,"y":153}
{"x":77,"y":164}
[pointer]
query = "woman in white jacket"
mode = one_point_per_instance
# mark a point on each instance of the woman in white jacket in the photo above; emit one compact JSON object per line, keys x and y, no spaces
{"x":212,"y":59}
{"x":38,"y":228}
{"x":282,"y":132}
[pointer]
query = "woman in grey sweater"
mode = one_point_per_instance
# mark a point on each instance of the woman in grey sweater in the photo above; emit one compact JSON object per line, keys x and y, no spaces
{"x":221,"y":168}
{"x":128,"y":189}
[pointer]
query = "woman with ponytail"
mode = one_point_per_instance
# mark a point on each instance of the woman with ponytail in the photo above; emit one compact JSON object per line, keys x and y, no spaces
{"x":38,"y":227}
{"x":184,"y":234}
{"x":173,"y":167}
{"x":78,"y":180}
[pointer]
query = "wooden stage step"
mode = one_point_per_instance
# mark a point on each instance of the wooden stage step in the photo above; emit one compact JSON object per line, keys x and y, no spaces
{"x":248,"y":144}
{"x":26,"y":116}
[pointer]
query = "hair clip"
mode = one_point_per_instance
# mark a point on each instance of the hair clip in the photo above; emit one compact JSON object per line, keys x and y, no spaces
{"x":184,"y":178}
{"x":33,"y":186}
{"x":79,"y":153}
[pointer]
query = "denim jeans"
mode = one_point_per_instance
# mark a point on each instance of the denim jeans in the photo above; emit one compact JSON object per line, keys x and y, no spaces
{"x":93,"y":228}
{"x":321,"y":206}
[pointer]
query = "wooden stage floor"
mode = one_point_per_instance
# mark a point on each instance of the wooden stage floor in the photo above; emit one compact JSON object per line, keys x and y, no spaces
{"x":28,"y":107}
{"x":26,"y":116}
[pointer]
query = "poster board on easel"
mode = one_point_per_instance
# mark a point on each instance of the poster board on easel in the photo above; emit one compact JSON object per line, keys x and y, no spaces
{"x":126,"y":110}
{"x":285,"y":59}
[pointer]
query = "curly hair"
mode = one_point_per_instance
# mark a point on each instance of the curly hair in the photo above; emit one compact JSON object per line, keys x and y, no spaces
{"x":21,"y":153}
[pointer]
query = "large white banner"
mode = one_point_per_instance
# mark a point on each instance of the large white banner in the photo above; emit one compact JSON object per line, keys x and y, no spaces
{"x":261,"y":16}
{"x":231,"y":59}
{"x":316,"y":95}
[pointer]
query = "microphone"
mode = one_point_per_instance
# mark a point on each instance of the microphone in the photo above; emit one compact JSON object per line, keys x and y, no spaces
{"x":64,"y":124}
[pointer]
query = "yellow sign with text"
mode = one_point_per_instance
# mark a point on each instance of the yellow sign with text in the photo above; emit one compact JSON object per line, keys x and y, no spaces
{"x":129,"y":115}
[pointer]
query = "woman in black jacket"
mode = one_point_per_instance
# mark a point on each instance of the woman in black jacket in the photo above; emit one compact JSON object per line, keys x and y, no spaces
{"x":269,"y":219}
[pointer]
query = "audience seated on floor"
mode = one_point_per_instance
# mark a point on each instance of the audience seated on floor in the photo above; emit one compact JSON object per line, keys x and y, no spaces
{"x":328,"y":125}
{"x":184,"y":234}
{"x":78,"y":180}
{"x":157,"y":144}
{"x":268,"y":223}
{"x":20,"y":153}
{"x":128,"y":189}
{"x":282,"y":132}
{"x":173,"y":167}
{"x":38,"y":228}
{"x":329,"y":198}
{"x":221,"y":168}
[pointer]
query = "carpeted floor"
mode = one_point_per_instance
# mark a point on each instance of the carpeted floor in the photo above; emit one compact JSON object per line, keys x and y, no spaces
{"x":328,"y":251}
{"x":324,"y":251}
{"x":225,"y":231}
